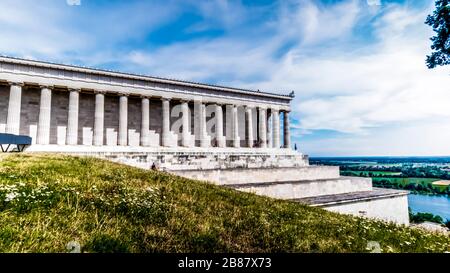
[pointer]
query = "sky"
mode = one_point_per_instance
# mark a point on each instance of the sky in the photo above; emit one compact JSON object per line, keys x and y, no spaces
{"x":357,"y":67}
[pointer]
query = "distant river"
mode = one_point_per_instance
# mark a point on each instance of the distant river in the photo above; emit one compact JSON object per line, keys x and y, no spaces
{"x":436,"y":204}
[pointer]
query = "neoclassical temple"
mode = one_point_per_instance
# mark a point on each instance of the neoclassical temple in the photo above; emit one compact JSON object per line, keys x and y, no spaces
{"x":233,"y":137}
{"x":68,"y":105}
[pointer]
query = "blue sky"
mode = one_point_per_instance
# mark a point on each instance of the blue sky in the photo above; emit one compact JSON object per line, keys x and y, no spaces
{"x":357,"y":66}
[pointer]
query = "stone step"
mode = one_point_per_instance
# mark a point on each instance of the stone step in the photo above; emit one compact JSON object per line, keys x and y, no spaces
{"x":385,"y":204}
{"x":306,"y":188}
{"x":261,"y":175}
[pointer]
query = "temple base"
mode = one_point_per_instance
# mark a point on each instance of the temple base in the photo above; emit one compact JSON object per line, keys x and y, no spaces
{"x":277,"y":173}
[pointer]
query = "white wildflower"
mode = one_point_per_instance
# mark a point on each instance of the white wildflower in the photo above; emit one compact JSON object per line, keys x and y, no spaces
{"x":10,"y":196}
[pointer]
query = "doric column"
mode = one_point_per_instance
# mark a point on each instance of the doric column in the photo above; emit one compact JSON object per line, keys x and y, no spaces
{"x":15,"y":101}
{"x":236,"y":140}
{"x":287,"y":130}
{"x":276,"y":128}
{"x":145,"y":121}
{"x":219,"y":126}
{"x":45,"y":108}
{"x":249,"y":117}
{"x":262,"y":127}
{"x":72,"y":121}
{"x":185,"y":136}
{"x":123,"y":120}
{"x":165,"y":132}
{"x":204,"y":142}
{"x":269,"y":129}
{"x":99,"y":118}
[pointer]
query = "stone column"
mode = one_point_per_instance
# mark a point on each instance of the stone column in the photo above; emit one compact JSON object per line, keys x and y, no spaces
{"x":262,"y":127}
{"x":287,"y":130}
{"x":269,"y":129}
{"x":219,"y":126}
{"x":276,"y":128}
{"x":99,"y":118}
{"x":236,"y":140}
{"x":185,"y":136}
{"x":72,"y":121}
{"x":165,"y":132}
{"x":123,"y":120}
{"x":204,"y":142}
{"x":14,"y":105}
{"x":45,"y":108}
{"x":249,"y":117}
{"x":145,"y":121}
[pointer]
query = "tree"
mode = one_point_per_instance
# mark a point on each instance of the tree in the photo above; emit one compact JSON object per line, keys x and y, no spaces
{"x":447,"y":223}
{"x":440,"y":22}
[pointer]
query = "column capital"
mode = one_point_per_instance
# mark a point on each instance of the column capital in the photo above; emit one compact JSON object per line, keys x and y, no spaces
{"x":233,"y":105}
{"x":123,"y":94}
{"x":42,"y":86}
{"x":101,"y":92}
{"x":74,"y":90}
{"x":145,"y":97}
{"x":249,"y":107}
{"x":166,"y":98}
{"x":16,"y":83}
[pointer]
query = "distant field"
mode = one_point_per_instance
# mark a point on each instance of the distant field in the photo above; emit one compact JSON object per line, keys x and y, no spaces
{"x":358,"y":173}
{"x":378,"y":176}
{"x":441,"y":184}
{"x":413,"y":180}
{"x":407,"y":180}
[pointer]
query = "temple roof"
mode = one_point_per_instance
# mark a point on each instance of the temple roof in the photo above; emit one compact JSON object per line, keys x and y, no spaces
{"x":113,"y":73}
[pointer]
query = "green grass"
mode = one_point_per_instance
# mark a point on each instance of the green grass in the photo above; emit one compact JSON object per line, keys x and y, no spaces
{"x":395,"y":180}
{"x":407,"y":180}
{"x":47,"y":201}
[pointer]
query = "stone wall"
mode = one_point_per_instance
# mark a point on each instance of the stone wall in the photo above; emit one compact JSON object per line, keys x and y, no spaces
{"x":111,"y":121}
{"x":58,"y":118}
{"x":29,"y":119}
{"x":261,"y":175}
{"x":393,"y":209}
{"x":4,"y":98}
{"x":308,"y":188}
{"x":86,"y":119}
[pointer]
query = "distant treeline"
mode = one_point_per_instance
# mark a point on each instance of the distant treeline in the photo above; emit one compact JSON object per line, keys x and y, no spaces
{"x":381,"y":160}
{"x":404,"y":171}
{"x":387,"y":176}
{"x":422,"y":188}
{"x":421,"y":217}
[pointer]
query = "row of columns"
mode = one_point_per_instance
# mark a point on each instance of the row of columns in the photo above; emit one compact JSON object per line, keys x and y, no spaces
{"x":267,"y":137}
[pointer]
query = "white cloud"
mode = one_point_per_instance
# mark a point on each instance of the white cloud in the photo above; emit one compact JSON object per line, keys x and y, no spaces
{"x":427,"y":138}
{"x":377,"y":92}
{"x":89,"y":34}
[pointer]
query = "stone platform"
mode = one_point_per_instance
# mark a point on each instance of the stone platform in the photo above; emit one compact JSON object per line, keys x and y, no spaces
{"x":385,"y":204}
{"x":277,"y":173}
{"x":182,"y":158}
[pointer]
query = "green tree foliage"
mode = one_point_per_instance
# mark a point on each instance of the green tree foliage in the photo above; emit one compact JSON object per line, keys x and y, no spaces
{"x":440,"y":22}
{"x":447,"y":223}
{"x":421,"y":217}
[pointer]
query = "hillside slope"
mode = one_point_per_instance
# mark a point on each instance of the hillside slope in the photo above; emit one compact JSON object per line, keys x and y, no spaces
{"x":47,"y":201}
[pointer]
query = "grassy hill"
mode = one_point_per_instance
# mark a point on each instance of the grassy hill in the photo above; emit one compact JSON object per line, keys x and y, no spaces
{"x":47,"y":201}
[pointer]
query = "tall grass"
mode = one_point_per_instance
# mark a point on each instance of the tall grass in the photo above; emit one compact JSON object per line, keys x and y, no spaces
{"x":49,"y":202}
